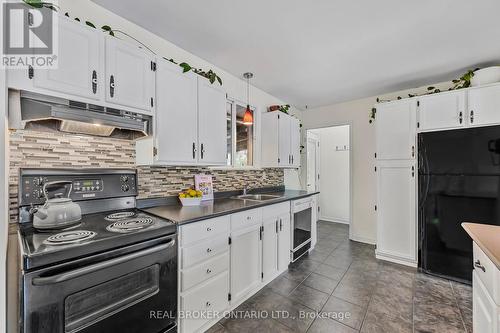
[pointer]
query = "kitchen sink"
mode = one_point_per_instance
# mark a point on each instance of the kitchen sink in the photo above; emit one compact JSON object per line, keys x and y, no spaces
{"x":257,"y":197}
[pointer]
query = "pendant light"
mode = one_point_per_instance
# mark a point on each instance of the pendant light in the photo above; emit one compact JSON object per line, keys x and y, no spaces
{"x":248,"y":116}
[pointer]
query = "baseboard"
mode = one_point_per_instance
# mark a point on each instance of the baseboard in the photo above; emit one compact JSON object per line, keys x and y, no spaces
{"x":334,"y":220}
{"x":399,"y":261}
{"x":363,"y":240}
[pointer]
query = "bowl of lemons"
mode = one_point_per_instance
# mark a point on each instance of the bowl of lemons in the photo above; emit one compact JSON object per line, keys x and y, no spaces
{"x":190,"y":197}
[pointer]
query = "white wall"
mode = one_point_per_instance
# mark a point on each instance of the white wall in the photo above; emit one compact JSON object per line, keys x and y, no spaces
{"x":363,"y":221}
{"x":234,"y":86}
{"x":334,"y":198}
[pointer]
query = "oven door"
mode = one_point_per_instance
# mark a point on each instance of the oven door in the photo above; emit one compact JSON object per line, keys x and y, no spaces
{"x":133,"y":292}
{"x":301,"y":229}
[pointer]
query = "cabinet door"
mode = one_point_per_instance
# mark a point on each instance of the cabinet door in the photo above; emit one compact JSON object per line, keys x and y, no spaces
{"x":80,"y":70}
{"x":484,"y":106}
{"x":245,"y":261}
{"x":284,"y":140}
{"x":129,"y":75}
{"x":211,"y":123}
{"x":442,"y":111}
{"x":395,"y":127}
{"x":284,"y":238}
{"x":270,"y":139}
{"x":176,"y":115}
{"x":270,"y":248}
{"x":396,"y":210}
{"x":484,"y":308}
{"x":314,"y":229}
{"x":295,"y":142}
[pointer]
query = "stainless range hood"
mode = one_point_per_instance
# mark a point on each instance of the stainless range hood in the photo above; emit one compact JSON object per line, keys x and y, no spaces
{"x":78,"y":117}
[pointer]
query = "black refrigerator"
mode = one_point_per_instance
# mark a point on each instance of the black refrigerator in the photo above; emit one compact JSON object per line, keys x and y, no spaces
{"x":459,"y":181}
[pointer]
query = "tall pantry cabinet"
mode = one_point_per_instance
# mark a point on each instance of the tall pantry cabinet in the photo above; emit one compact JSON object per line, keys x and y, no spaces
{"x":396,"y":173}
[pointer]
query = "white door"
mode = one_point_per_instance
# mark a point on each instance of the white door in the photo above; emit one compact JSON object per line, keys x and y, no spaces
{"x":442,"y":111}
{"x":484,"y":106}
{"x":484,"y":309}
{"x":245,"y":261}
{"x":212,"y":123}
{"x":295,"y":142}
{"x":395,"y":130}
{"x":270,"y":248}
{"x":176,"y":132}
{"x":130,"y":78}
{"x":284,"y":245}
{"x":80,"y":65}
{"x":396,"y":210}
{"x":284,"y":139}
{"x":312,"y":181}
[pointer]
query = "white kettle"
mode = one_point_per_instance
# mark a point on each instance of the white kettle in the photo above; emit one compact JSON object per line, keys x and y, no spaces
{"x":57,"y":213}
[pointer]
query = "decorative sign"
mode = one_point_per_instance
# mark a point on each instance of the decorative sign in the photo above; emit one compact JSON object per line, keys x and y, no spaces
{"x":204,"y":184}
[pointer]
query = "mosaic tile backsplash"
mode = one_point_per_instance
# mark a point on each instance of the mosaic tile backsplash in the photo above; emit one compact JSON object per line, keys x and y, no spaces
{"x":32,"y":149}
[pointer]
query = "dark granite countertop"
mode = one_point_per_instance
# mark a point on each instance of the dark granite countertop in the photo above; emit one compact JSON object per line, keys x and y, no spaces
{"x":219,"y":207}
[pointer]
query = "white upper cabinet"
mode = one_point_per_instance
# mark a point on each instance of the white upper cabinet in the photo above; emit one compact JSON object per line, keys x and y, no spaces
{"x":295,"y":142}
{"x":80,"y":62}
{"x":190,"y":121}
{"x":442,"y":111}
{"x":130,"y":76}
{"x":396,"y":130}
{"x":484,"y":105}
{"x":396,"y":210}
{"x":284,"y":132}
{"x":212,"y":123}
{"x":176,"y":115}
{"x":281,"y":140}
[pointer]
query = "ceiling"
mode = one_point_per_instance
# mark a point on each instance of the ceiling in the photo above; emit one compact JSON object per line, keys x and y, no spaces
{"x":327,"y":51}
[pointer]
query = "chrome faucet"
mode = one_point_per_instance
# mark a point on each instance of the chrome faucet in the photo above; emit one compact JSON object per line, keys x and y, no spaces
{"x":245,"y":190}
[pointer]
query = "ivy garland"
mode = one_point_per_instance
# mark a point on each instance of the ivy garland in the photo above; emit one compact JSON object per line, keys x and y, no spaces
{"x":209,"y":75}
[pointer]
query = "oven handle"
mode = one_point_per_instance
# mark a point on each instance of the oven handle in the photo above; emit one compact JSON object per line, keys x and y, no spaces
{"x":41,"y":281}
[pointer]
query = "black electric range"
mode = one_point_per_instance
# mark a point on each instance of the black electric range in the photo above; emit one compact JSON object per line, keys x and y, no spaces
{"x":108,"y":271}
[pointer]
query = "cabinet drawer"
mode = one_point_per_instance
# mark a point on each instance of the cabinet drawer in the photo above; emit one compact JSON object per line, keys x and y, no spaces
{"x":204,"y":271}
{"x":208,"y":297}
{"x":275,"y":210}
{"x":201,"y":230}
{"x":246,"y":218}
{"x":207,"y":249}
{"x":486,"y":271}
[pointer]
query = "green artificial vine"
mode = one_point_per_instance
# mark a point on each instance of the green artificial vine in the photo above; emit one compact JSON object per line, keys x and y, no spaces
{"x":462,"y":82}
{"x":209,"y":75}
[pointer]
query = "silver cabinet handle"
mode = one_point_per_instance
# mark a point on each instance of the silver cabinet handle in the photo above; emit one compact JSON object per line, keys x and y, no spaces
{"x":209,"y":229}
{"x":202,"y":151}
{"x":209,"y":271}
{"x":194,"y":150}
{"x":209,"y":250}
{"x":209,"y":304}
{"x":412,"y":151}
{"x":460,"y":117}
{"x":281,"y":224}
{"x":477,"y":264}
{"x":94,"y":81}
{"x":471,"y":116}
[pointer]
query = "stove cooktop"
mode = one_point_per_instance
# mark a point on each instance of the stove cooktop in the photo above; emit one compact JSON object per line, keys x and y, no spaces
{"x":95,"y":233}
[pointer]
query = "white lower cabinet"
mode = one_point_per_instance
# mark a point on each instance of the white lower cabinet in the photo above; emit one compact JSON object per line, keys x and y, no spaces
{"x":245,"y":261}
{"x":484,"y":309}
{"x":485,"y":293}
{"x":225,"y":260}
{"x":396,"y":212}
{"x":206,"y":298}
{"x":284,"y":242}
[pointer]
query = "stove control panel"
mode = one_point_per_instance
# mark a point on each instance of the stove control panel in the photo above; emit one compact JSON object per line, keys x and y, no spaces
{"x":87,"y":184}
